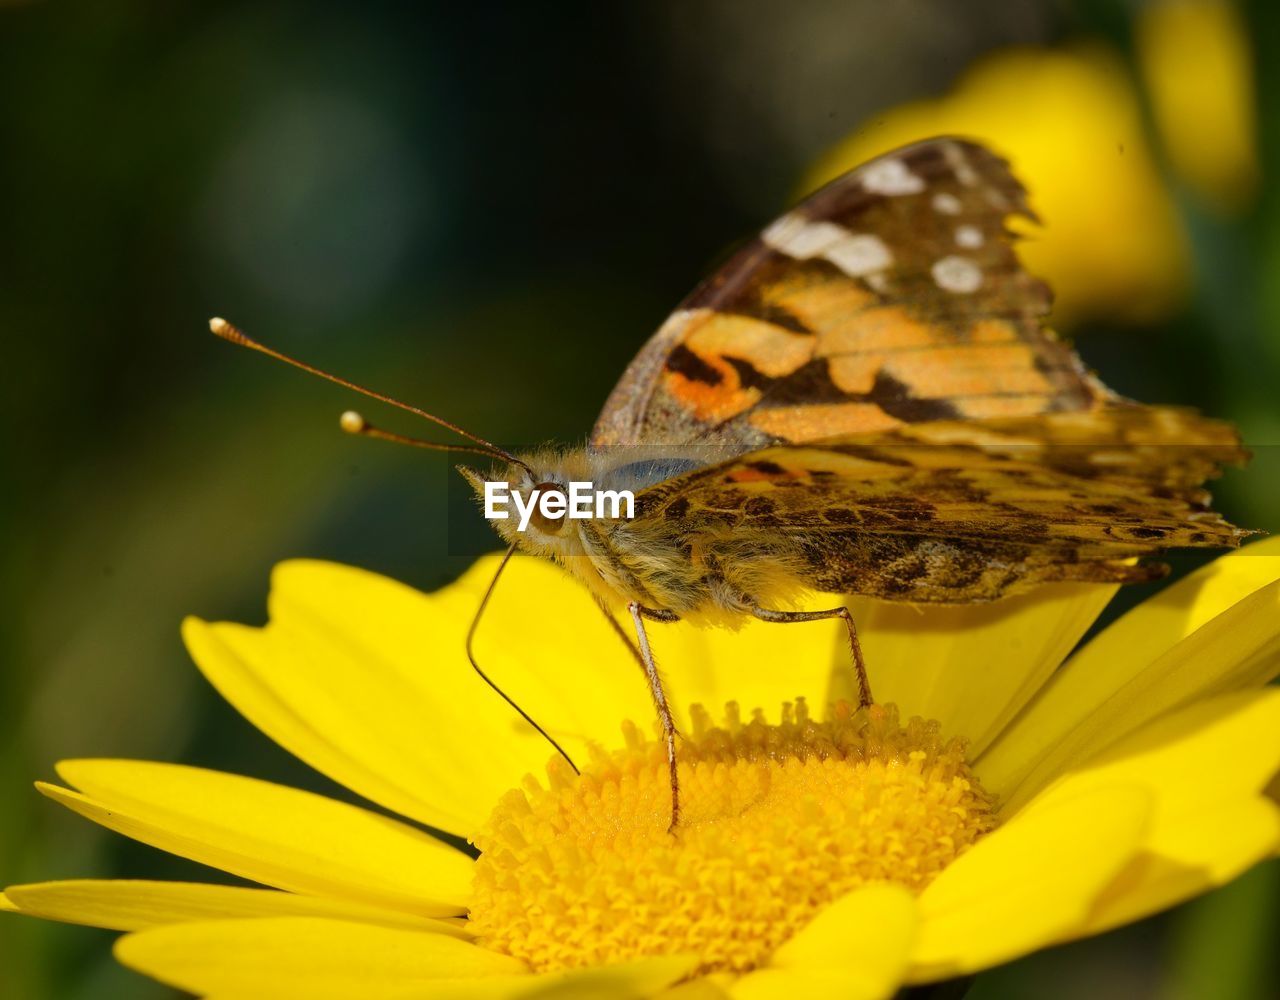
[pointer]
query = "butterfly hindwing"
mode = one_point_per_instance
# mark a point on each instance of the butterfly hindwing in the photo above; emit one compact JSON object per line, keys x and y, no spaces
{"x":892,"y":296}
{"x":959,"y":512}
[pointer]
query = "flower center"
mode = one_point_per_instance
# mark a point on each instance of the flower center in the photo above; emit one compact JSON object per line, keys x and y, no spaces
{"x":776,"y":822}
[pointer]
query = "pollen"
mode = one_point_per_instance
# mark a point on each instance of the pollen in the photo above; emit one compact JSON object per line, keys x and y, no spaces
{"x":776,"y":822}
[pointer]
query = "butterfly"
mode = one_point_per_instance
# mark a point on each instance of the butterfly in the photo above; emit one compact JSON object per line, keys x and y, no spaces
{"x":865,"y":399}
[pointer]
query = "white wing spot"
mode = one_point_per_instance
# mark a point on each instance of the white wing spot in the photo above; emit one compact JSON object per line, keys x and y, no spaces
{"x":860,"y":255}
{"x":946,"y":203}
{"x":797,"y":237}
{"x":959,"y":164}
{"x":857,"y":255}
{"x":957,"y":274}
{"x":969,"y":236}
{"x":890,"y":177}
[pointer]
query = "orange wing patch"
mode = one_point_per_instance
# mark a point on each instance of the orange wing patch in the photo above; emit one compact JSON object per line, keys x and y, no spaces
{"x":815,"y":421}
{"x":769,"y":349}
{"x":715,"y":372}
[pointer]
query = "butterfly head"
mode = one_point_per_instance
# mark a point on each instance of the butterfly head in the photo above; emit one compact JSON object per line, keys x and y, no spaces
{"x":529,"y":502}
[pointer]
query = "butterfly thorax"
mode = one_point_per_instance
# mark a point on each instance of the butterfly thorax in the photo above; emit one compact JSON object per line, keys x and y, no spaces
{"x":636,"y":558}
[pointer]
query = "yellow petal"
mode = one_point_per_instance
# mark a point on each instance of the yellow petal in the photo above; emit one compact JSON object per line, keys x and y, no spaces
{"x":1206,"y":118}
{"x":1216,"y":630}
{"x":545,"y":641}
{"x":706,"y":988}
{"x":973,"y":667}
{"x":305,"y":958}
{"x":259,"y":674}
{"x":1205,"y":768}
{"x":370,"y":666}
{"x":126,"y":905}
{"x":553,"y":651}
{"x":758,"y":665}
{"x":1029,"y":884}
{"x":638,"y":980}
{"x":366,"y":680}
{"x":1232,"y":838}
{"x":855,"y":949}
{"x":1213,"y":750}
{"x":6,"y":904}
{"x":279,"y":836}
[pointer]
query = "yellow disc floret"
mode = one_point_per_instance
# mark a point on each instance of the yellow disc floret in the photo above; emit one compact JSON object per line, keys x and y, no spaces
{"x":776,"y":822}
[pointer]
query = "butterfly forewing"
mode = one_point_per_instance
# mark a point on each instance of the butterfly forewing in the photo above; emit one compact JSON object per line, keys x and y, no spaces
{"x":892,"y":296}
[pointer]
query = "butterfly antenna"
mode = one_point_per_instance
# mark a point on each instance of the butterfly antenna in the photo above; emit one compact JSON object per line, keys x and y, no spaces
{"x":353,"y":423}
{"x":471,"y":634}
{"x":228,"y":332}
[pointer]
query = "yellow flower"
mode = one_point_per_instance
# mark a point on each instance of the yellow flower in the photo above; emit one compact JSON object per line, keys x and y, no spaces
{"x":834,"y":857}
{"x":1198,"y":72}
{"x":1070,"y":123}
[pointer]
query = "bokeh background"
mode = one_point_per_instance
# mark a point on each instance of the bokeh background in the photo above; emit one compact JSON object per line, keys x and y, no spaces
{"x":485,"y":209}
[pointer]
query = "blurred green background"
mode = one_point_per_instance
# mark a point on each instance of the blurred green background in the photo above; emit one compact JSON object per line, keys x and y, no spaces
{"x":485,"y":209}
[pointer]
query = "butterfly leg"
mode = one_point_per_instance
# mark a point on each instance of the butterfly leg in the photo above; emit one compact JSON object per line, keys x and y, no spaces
{"x":855,"y":647}
{"x":638,"y":614}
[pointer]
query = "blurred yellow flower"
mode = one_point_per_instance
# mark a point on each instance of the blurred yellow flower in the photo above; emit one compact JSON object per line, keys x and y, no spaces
{"x":840,"y":857}
{"x":1070,"y":122}
{"x":1198,"y":72}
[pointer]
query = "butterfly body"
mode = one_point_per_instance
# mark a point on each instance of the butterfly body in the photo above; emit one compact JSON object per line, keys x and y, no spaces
{"x":905,"y":518}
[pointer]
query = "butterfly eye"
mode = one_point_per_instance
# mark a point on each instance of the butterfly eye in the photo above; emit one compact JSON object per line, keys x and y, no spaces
{"x":555,"y":496}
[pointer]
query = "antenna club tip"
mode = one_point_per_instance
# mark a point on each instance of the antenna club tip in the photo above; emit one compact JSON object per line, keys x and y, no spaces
{"x":352,"y":422}
{"x":219,"y":327}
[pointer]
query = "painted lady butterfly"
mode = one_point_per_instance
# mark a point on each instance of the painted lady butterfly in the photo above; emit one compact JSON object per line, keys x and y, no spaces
{"x":864,"y":400}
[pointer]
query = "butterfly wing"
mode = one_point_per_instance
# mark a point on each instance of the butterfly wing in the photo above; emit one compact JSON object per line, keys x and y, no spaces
{"x":903,"y":423}
{"x":892,"y":296}
{"x":960,"y":511}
